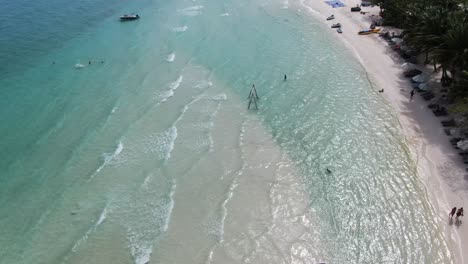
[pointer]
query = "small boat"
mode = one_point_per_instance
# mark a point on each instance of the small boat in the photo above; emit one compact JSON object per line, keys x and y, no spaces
{"x":331,"y":17}
{"x":339,"y":30}
{"x":129,"y":17}
{"x":369,"y":31}
{"x":337,"y":25}
{"x":355,"y":9}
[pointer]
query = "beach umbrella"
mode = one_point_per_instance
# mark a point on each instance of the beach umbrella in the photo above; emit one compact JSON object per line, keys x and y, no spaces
{"x":408,"y":66}
{"x":424,"y":87}
{"x":397,"y":40}
{"x":420,"y":78}
{"x":462,"y":144}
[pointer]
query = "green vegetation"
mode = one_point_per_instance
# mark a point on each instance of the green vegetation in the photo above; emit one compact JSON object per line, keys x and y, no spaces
{"x":438,"y":29}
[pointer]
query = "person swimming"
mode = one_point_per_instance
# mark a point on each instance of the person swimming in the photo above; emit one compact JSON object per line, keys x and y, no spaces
{"x":329,"y":171}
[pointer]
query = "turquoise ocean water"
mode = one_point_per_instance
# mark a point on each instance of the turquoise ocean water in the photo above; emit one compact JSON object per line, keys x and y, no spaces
{"x":149,"y":155}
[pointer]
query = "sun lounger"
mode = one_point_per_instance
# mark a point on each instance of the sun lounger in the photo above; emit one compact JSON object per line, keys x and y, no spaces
{"x":427,"y":96}
{"x":448,"y":123}
{"x":448,"y":131}
{"x":440,"y":111}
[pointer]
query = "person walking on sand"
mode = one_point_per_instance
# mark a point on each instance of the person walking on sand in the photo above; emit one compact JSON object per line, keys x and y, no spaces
{"x":452,"y":213}
{"x":411,"y":99}
{"x":459,"y":213}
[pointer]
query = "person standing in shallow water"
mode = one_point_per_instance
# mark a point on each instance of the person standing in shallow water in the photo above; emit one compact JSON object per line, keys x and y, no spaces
{"x":285,"y":77}
{"x":411,"y":99}
{"x":452,"y":213}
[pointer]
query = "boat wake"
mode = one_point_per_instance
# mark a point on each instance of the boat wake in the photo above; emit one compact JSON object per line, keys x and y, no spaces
{"x":191,"y":11}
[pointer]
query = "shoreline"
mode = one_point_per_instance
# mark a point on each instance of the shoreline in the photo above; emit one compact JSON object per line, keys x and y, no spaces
{"x":438,"y":165}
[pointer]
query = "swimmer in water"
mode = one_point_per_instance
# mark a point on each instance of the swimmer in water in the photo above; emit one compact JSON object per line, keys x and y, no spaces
{"x":328,"y":171}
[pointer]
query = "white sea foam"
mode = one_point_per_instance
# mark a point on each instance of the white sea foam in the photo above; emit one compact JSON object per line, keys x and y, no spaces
{"x":224,"y":14}
{"x":170,"y":207}
{"x":219,"y":97}
{"x":148,"y":223}
{"x":191,"y":11}
{"x":172,"y":139}
{"x":172,"y":87}
{"x":209,"y":258}
{"x":180,"y":29}
{"x":101,"y":219}
{"x":162,"y":144}
{"x":203,"y":85}
{"x":170,"y":57}
{"x":224,"y":210}
{"x":141,"y":251}
{"x":309,"y":8}
{"x":146,"y":181}
{"x":109,"y":158}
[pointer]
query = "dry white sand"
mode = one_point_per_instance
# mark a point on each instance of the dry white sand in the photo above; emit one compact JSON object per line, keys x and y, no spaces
{"x":439,"y":166}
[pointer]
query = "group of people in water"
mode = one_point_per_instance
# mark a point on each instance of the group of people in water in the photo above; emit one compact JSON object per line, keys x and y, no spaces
{"x":457,"y":213}
{"x":89,"y":62}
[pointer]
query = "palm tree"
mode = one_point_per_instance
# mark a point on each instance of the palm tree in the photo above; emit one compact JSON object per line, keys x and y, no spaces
{"x":452,"y":50}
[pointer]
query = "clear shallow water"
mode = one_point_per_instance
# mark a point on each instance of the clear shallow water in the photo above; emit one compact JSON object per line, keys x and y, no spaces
{"x":152,"y":155}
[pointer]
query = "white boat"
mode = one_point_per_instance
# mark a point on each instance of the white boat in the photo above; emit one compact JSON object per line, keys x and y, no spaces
{"x":339,"y":30}
{"x":331,"y":17}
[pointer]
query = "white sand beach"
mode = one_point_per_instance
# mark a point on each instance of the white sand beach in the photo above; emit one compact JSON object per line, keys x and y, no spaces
{"x":439,"y":166}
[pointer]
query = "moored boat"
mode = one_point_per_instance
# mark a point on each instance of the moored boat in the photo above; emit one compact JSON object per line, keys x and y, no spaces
{"x":339,"y":30}
{"x":331,"y":17}
{"x":337,"y":25}
{"x":129,"y":17}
